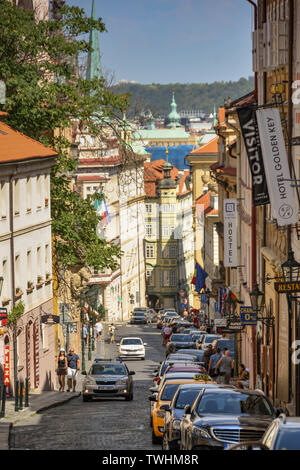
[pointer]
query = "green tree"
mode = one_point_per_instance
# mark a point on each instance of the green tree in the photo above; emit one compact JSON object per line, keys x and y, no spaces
{"x":39,"y":64}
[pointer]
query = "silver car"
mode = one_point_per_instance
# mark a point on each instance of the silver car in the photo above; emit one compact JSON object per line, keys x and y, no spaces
{"x":107,"y":378}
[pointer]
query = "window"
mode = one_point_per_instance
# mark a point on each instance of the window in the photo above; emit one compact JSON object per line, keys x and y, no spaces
{"x":165,"y":252}
{"x":29,"y":273}
{"x":173,"y":278}
{"x":17,"y":271}
{"x":149,"y":230}
{"x":150,"y":277}
{"x":165,"y":231}
{"x":39,"y":191}
{"x":3,"y":205}
{"x":149,"y":208}
{"x":149,"y":251}
{"x":28,"y":194}
{"x":173,"y":251}
{"x":17,"y":196}
{"x":5,"y":281}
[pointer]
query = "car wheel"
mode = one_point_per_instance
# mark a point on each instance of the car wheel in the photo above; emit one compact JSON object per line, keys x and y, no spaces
{"x":85,"y":398}
{"x":129,"y":397}
{"x":155,"y":439}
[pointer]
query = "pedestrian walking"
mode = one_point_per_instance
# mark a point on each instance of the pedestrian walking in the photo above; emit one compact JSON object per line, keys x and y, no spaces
{"x":61,"y":369}
{"x":98,"y":328}
{"x":213,"y":360}
{"x":73,"y":368}
{"x":207,"y":354}
{"x":225,"y":365}
{"x":167,"y":334}
{"x":84,"y":332}
{"x":111,"y":332}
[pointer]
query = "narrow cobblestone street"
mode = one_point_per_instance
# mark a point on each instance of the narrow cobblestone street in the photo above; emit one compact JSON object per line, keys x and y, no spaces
{"x":101,"y":424}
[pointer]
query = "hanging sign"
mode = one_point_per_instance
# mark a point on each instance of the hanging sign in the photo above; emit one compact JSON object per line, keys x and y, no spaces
{"x":248,"y":122}
{"x":230,"y":233}
{"x":247,"y":316}
{"x":276,"y":166}
{"x":3,"y":316}
{"x":6,"y":369}
{"x":287,"y":287}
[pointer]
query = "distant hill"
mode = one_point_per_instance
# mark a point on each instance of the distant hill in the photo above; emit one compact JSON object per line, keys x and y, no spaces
{"x":188,"y":96}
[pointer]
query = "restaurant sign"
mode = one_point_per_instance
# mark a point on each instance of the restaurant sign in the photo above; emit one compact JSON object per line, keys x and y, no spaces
{"x":287,"y":287}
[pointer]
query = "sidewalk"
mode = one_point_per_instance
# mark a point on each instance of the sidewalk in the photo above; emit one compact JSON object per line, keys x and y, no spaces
{"x":39,"y":402}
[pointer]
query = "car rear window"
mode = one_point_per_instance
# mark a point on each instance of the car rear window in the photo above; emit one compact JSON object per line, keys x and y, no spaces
{"x":139,"y":314}
{"x":180,"y":337}
{"x":131,"y":341}
{"x":108,"y":369}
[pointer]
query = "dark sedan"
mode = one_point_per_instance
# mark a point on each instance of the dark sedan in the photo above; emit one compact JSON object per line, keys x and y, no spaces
{"x":223,"y":416}
{"x":185,"y":395}
{"x":182,"y":341}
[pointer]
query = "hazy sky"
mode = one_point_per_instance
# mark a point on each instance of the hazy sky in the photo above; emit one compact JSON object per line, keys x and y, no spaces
{"x":185,"y":41}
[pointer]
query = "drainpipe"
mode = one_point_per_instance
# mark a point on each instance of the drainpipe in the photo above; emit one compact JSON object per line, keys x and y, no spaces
{"x":12,"y":268}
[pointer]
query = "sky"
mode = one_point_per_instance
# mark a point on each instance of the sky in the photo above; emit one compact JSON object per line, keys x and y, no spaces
{"x":174,"y":41}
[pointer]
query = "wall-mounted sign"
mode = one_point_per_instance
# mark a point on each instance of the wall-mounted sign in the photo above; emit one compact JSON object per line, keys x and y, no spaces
{"x":249,"y":128}
{"x":50,"y":318}
{"x":6,"y":369}
{"x":230,"y":233}
{"x":296,"y":140}
{"x":3,"y":316}
{"x":287,"y":287}
{"x":234,"y":326}
{"x":247,"y":316}
{"x":276,"y":166}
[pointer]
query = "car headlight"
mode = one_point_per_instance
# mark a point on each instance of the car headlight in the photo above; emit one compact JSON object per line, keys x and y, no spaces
{"x":121,"y":382}
{"x":90,"y":382}
{"x":176,"y":424}
{"x":202,"y":433}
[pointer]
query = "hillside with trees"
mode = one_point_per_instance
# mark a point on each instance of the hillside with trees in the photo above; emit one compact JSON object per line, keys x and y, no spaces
{"x":188,"y":96}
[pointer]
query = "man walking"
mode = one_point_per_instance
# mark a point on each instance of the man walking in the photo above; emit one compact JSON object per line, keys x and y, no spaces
{"x":214,"y":359}
{"x":98,"y":330}
{"x":73,"y":368}
{"x":225,"y":365}
{"x":111,"y":332}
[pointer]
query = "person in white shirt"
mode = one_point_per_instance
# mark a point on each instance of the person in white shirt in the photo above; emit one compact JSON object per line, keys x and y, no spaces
{"x":98,"y":330}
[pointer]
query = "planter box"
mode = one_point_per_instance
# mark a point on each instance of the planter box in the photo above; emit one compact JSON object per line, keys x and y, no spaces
{"x":39,"y":284}
{"x":18,"y":295}
{"x":29,"y":290}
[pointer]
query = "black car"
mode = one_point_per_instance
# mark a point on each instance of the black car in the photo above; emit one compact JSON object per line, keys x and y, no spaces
{"x":139,"y":318}
{"x":182,"y":341}
{"x":185,"y":395}
{"x":282,"y":434}
{"x":223,"y":416}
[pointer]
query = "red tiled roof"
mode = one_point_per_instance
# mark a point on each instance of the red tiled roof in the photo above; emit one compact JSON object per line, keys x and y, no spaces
{"x":210,"y":147}
{"x":182,"y":182}
{"x":15,"y":146}
{"x":153,"y":172}
{"x":212,"y":212}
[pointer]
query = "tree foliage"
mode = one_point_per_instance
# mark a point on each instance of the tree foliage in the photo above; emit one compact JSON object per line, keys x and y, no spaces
{"x":188,"y":96}
{"x":39,"y":64}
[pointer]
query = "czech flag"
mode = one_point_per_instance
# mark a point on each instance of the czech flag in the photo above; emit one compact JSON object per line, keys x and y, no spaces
{"x":101,"y":210}
{"x":199,"y":278}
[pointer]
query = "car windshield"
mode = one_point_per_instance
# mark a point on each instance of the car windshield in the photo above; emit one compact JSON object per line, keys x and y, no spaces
{"x":108,"y":369}
{"x":131,"y":341}
{"x":288,"y":439}
{"x":139,"y":314}
{"x":185,"y":397}
{"x":181,"y":338}
{"x":169,"y":392}
{"x":198,"y":353}
{"x":196,"y":335}
{"x":233,"y":404}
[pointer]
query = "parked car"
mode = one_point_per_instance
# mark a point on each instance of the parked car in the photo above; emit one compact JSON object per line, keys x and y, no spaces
{"x":138,"y":318}
{"x":193,"y":352}
{"x":224,"y":343}
{"x":132,"y":348}
{"x":185,"y":395}
{"x":107,"y":378}
{"x":208,"y":339}
{"x":175,"y":357}
{"x":223,"y":416}
{"x":182,"y":341}
{"x":164,"y":365}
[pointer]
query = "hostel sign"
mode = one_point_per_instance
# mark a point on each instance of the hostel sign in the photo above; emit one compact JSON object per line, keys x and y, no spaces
{"x":287,"y":287}
{"x":230,"y":233}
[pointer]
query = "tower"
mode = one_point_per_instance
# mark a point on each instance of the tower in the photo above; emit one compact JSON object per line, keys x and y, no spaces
{"x":174,"y":117}
{"x":94,"y":68}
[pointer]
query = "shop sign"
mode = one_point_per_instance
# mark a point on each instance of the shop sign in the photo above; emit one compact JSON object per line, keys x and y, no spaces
{"x":235,"y":326}
{"x":287,"y":287}
{"x":6,"y":369}
{"x":50,"y":318}
{"x":247,"y":316}
{"x":3,"y":316}
{"x":36,"y":349}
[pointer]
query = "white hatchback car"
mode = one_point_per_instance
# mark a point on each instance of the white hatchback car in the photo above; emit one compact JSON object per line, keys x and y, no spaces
{"x":132,"y":347}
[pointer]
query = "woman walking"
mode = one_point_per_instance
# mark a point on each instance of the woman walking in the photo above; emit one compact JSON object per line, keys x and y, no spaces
{"x":61,"y":368}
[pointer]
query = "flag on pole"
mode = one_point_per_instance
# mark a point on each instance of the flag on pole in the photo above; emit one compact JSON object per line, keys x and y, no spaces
{"x":101,"y":210}
{"x":199,"y":278}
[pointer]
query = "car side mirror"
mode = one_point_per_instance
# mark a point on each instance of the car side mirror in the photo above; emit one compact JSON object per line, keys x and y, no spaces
{"x":131,"y":372}
{"x":83,"y":372}
{"x":187,"y":409}
{"x":153,"y":398}
{"x":165,"y":408}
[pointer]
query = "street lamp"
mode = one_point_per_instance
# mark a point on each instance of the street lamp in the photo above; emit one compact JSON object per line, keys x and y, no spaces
{"x":257,"y":299}
{"x":208,"y":294}
{"x":291,"y":268}
{"x":82,"y":297}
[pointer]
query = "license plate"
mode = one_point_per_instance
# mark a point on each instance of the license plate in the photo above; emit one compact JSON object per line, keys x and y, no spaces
{"x":105,"y":387}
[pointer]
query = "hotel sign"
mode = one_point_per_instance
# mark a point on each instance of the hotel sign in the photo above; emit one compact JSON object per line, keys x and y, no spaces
{"x":230,"y":233}
{"x":276,"y":166}
{"x":287,"y":287}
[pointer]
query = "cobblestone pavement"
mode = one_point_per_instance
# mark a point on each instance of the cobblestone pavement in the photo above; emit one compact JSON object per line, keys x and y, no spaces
{"x":110,"y":424}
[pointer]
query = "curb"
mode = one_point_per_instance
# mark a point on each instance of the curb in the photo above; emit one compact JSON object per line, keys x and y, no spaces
{"x":5,"y":429}
{"x":58,"y":403}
